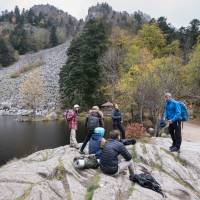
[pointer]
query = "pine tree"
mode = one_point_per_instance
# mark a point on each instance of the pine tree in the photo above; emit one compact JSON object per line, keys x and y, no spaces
{"x":18,"y":38}
{"x":17,"y":14}
{"x":53,"y":37}
{"x":80,"y":77}
{"x":7,"y":53}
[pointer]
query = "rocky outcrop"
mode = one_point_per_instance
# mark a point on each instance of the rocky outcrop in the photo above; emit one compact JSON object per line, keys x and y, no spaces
{"x":52,"y":60}
{"x":49,"y":174}
{"x":115,"y":18}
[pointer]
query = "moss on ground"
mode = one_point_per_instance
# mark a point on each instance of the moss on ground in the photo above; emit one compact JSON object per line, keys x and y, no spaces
{"x":60,"y":171}
{"x":93,"y":185}
{"x":26,"y":194}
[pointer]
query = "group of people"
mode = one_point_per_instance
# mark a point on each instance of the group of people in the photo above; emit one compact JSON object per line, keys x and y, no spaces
{"x":107,"y":151}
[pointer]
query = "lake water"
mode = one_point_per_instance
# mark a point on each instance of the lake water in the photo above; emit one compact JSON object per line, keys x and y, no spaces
{"x":19,"y":139}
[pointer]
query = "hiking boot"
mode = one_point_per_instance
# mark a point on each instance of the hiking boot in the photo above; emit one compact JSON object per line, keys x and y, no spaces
{"x":171,"y":147}
{"x":174,"y":149}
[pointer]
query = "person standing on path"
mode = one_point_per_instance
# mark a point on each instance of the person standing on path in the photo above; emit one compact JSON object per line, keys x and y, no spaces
{"x":117,"y":121}
{"x":173,"y":116}
{"x":71,"y":117}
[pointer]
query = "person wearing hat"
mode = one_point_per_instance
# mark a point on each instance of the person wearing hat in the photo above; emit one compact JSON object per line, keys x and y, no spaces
{"x":71,"y":117}
{"x":117,"y":121}
{"x":97,"y":141}
{"x":93,"y":120}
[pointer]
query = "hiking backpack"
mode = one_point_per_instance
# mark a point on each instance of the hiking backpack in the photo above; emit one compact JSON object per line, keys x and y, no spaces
{"x":86,"y":162}
{"x":184,"y":111}
{"x":93,"y":122}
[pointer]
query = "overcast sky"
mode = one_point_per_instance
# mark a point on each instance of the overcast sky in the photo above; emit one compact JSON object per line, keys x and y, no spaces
{"x":178,"y":12}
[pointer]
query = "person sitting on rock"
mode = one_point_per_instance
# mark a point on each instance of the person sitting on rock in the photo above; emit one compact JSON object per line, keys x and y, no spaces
{"x":93,"y":120}
{"x":97,"y":142}
{"x":109,"y":157}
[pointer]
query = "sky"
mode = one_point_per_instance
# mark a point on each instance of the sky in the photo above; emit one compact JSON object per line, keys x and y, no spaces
{"x":178,"y":12}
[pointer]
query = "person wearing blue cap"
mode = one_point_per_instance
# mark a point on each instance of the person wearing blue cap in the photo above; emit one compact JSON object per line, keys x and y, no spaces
{"x":97,"y":141}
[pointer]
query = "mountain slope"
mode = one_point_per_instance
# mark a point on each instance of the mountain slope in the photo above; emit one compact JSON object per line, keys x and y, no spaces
{"x":52,"y":60}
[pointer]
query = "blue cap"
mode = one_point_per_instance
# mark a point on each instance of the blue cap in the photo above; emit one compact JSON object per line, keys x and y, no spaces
{"x":100,"y":131}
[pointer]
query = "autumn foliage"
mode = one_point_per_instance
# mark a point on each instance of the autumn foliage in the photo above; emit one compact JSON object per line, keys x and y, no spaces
{"x":135,"y":130}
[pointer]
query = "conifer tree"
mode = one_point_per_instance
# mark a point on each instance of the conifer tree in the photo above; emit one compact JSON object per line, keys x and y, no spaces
{"x":80,"y":77}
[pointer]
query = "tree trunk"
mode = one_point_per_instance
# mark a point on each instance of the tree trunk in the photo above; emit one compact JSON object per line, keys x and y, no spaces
{"x":141,"y":114}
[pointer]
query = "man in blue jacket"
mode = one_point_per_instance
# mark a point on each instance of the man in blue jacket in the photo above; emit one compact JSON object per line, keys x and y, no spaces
{"x":173,"y":116}
{"x":109,"y":163}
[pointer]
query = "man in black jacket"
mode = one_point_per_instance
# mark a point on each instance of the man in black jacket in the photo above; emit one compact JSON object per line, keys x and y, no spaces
{"x":117,"y":121}
{"x":109,"y":158}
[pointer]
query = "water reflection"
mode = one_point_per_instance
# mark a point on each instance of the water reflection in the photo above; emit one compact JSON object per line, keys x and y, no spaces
{"x":21,"y":139}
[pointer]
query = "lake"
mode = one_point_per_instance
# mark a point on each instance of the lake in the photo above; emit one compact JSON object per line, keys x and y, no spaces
{"x":19,"y":139}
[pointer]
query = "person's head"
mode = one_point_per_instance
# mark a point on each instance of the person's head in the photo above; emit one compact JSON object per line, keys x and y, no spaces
{"x":115,"y":135}
{"x":99,"y":131}
{"x":76,"y":107}
{"x":96,"y":108}
{"x":168,"y":96}
{"x":116,"y":107}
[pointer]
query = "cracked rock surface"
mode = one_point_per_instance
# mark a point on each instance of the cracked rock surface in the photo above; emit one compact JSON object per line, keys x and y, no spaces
{"x":49,"y":174}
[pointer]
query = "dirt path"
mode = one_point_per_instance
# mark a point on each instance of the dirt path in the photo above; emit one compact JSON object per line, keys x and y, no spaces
{"x":191,"y":131}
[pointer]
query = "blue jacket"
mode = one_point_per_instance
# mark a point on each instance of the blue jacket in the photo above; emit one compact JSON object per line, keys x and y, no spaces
{"x":172,"y":110}
{"x":94,"y":145}
{"x":109,"y":156}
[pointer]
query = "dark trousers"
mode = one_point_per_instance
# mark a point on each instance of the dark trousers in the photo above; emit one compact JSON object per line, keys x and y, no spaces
{"x":175,"y":132}
{"x":87,"y":138}
{"x":120,"y":128}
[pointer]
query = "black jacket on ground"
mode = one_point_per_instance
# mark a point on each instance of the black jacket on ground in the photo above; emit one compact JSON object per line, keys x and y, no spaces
{"x":109,"y":156}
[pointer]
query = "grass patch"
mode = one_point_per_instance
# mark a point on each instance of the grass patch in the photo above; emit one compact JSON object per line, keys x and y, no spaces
{"x":144,"y":149}
{"x":145,"y":140}
{"x":26,"y":194}
{"x":93,"y":185}
{"x":26,"y":68}
{"x":60,"y":171}
{"x":134,"y":155}
{"x":176,"y":157}
{"x":130,"y":190}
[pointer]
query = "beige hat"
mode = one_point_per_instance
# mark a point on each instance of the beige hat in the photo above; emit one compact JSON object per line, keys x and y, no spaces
{"x":95,"y":108}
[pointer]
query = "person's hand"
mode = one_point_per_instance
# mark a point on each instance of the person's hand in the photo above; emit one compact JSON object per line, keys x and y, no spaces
{"x":170,"y":121}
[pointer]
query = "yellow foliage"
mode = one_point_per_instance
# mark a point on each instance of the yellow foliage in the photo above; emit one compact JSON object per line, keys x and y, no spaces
{"x":120,"y":38}
{"x":151,"y":37}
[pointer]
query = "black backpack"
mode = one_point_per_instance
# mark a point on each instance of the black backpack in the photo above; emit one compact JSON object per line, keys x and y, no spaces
{"x":92,"y":122}
{"x":147,"y":181}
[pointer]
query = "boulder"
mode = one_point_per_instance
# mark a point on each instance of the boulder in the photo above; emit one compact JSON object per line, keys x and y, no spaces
{"x":49,"y":174}
{"x":51,"y":116}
